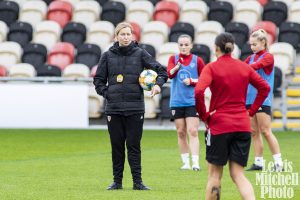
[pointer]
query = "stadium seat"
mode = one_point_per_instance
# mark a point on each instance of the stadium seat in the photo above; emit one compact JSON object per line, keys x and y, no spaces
{"x":165,"y":51}
{"x":86,"y":12}
{"x":136,"y":31}
{"x":9,"y":12}
{"x":94,"y":70}
{"x":220,"y":11}
{"x":10,"y":54}
{"x":20,"y":32}
{"x":96,"y":103}
{"x":194,"y":12}
{"x":287,"y":2}
{"x":269,"y":27}
{"x":202,"y":51}
{"x":34,"y":54}
{"x":165,"y":111}
{"x":207,"y":32}
{"x":22,"y":70}
{"x":277,"y":81}
{"x":155,"y":33}
{"x":101,"y":33}
{"x":72,"y":2}
{"x":248,"y":12}
{"x":125,"y":2}
{"x":88,"y":54}
{"x":180,"y":28}
{"x":33,"y":12}
{"x":263,"y":2}
{"x":113,"y":12}
{"x":3,"y":71}
{"x":284,"y":55}
{"x":140,"y":12}
{"x":61,"y":55}
{"x":76,"y":70}
{"x":245,"y":51}
{"x":47,"y":33}
{"x":166,"y":11}
{"x":180,"y":3}
{"x":151,"y":105}
{"x":294,"y":12}
{"x":154,"y":2}
{"x":290,"y":32}
{"x":74,"y":33}
{"x":3,"y":31}
{"x":240,"y":31}
{"x":48,"y":70}
{"x":236,"y":52}
{"x":101,"y":2}
{"x":149,"y":48}
{"x":60,"y":11}
{"x":47,"y":1}
{"x":275,"y":11}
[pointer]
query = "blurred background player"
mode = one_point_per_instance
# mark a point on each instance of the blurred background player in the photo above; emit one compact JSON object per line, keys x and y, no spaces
{"x":263,"y":62}
{"x":184,"y":70}
{"x":228,"y":135}
{"x":117,"y":80}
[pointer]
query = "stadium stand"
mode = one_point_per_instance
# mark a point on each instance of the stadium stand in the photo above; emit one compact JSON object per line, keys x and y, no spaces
{"x":289,"y":32}
{"x":61,"y":55}
{"x":74,"y":33}
{"x":33,"y":12}
{"x":60,"y":11}
{"x":166,"y":11}
{"x":294,"y":12}
{"x":149,"y":48}
{"x":10,"y":54}
{"x":76,"y":71}
{"x":113,"y":12}
{"x":180,"y":28}
{"x":86,"y":12}
{"x":165,"y":51}
{"x":203,"y":51}
{"x":22,"y":70}
{"x":248,"y":12}
{"x":9,"y":12}
{"x":155,"y":33}
{"x":47,"y":70}
{"x":140,"y":12}
{"x":88,"y":54}
{"x":34,"y":54}
{"x":240,"y":31}
{"x":3,"y":31}
{"x":20,"y":32}
{"x":220,"y":11}
{"x":275,"y":11}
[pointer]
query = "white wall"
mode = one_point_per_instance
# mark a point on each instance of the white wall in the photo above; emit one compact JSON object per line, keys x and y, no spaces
{"x":43,"y":105}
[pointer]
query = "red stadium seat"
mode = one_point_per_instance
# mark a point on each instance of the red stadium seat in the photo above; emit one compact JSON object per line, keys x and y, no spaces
{"x":60,"y":11}
{"x":269,"y":27}
{"x":3,"y":71}
{"x":61,"y":55}
{"x":136,"y":31}
{"x":263,"y":2}
{"x":93,"y":71}
{"x":166,"y":11}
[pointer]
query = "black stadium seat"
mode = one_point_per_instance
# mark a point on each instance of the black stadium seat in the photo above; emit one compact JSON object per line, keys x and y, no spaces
{"x":275,"y":11}
{"x":20,"y":32}
{"x":165,"y":111}
{"x":240,"y":31}
{"x":202,"y":51}
{"x":180,"y":28}
{"x":290,"y":32}
{"x":48,"y":70}
{"x":277,"y":81}
{"x":149,"y":48}
{"x":245,"y":51}
{"x":88,"y":54}
{"x":113,"y":12}
{"x":9,"y":12}
{"x":220,"y":11}
{"x":34,"y":54}
{"x":74,"y":33}
{"x":102,"y":2}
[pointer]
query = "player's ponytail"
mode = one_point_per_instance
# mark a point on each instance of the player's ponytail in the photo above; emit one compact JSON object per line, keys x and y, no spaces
{"x":261,"y":35}
{"x":225,"y":42}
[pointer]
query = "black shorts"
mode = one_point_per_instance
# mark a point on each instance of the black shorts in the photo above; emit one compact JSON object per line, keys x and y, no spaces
{"x":264,"y":109}
{"x":183,"y":112}
{"x":229,"y":146}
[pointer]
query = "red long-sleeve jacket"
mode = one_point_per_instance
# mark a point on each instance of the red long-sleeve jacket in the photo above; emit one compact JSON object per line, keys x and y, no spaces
{"x":228,"y":80}
{"x":267,"y":62}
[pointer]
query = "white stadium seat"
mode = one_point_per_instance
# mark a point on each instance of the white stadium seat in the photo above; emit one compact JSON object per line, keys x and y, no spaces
{"x":151,"y":105}
{"x":3,"y":31}
{"x":47,"y":33}
{"x":76,"y":70}
{"x":194,"y":12}
{"x":165,"y":51}
{"x":140,"y":12}
{"x":248,"y":12}
{"x":33,"y":12}
{"x":96,"y":103}
{"x":294,"y":12}
{"x":10,"y":54}
{"x":22,"y":70}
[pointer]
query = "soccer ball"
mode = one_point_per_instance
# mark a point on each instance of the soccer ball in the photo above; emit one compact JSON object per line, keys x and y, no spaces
{"x":147,"y":79}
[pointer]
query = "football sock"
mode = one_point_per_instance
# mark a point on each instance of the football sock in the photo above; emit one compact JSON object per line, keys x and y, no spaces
{"x":258,"y":161}
{"x":278,"y":159}
{"x":185,"y":158}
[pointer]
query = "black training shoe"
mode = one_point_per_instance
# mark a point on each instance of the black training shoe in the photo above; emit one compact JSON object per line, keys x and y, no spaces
{"x":140,"y":186}
{"x":255,"y":167}
{"x":115,"y":186}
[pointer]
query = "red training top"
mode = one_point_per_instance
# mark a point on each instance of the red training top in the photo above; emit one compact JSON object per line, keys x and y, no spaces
{"x":185,"y":60}
{"x":228,"y":80}
{"x":267,"y":62}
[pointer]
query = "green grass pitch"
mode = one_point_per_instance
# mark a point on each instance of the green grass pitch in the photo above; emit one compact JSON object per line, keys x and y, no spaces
{"x":76,"y":165}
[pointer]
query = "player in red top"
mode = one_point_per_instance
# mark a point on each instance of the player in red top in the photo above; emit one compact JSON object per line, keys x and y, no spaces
{"x":263,"y":62}
{"x":228,"y":124}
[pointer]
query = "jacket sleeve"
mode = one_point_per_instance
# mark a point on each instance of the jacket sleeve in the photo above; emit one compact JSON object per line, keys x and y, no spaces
{"x":150,"y":63}
{"x":100,"y":79}
{"x":267,"y":61}
{"x":263,"y":90}
{"x":204,"y":82}
{"x":171,"y":65}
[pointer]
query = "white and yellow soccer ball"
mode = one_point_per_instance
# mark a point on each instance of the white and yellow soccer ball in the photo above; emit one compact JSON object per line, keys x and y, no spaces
{"x":147,"y":79}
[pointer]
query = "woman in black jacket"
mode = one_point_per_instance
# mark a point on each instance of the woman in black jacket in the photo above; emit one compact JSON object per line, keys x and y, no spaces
{"x":117,"y":80}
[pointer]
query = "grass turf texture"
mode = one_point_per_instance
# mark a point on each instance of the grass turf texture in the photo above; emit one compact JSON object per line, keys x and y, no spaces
{"x":76,"y":164}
